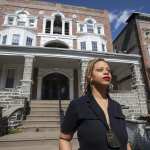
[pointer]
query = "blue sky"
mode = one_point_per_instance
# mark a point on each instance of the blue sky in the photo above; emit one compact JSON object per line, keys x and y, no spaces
{"x":119,"y":10}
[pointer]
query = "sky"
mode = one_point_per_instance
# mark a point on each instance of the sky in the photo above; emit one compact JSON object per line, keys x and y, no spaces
{"x":119,"y":10}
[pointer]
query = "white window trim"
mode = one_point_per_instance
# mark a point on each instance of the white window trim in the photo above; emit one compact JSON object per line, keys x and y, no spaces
{"x":13,"y":39}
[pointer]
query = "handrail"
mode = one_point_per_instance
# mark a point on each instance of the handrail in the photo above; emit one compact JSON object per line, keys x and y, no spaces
{"x":27,"y":109}
{"x":3,"y":123}
{"x":61,"y":111}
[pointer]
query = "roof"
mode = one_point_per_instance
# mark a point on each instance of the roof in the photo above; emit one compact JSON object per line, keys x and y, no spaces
{"x":138,"y":15}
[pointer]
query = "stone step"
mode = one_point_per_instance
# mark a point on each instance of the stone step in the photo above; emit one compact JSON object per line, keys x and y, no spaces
{"x":48,"y":129}
{"x":45,"y":115}
{"x":38,"y":144}
{"x":47,"y":105}
{"x":43,"y":118}
{"x":46,"y":109}
{"x":42,"y":102}
{"x":42,"y":113}
{"x":41,"y":123}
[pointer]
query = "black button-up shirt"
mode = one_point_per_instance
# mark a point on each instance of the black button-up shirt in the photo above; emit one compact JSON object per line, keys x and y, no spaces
{"x":85,"y":116}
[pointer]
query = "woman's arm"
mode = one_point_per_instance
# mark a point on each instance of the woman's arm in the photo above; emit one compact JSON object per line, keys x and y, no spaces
{"x":65,"y":141}
{"x":129,"y":146}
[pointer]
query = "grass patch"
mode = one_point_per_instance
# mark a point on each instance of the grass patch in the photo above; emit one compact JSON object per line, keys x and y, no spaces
{"x":14,"y":130}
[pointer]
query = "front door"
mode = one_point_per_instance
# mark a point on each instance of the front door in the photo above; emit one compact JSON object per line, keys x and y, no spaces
{"x":55,"y":86}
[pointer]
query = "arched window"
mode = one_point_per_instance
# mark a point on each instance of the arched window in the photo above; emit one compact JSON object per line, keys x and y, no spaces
{"x":57,"y":44}
{"x":90,"y":26}
{"x":21,"y":19}
{"x":57,"y":25}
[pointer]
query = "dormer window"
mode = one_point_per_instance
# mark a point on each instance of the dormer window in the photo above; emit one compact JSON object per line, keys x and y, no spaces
{"x":10,"y":20}
{"x":31,"y":22}
{"x":21,"y":19}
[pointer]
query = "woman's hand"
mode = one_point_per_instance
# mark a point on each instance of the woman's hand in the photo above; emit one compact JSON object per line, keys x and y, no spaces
{"x":129,"y":146}
{"x":64,"y":141}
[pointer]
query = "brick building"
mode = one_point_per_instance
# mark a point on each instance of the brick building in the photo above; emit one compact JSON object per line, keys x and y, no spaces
{"x":45,"y":48}
{"x":135,"y":39}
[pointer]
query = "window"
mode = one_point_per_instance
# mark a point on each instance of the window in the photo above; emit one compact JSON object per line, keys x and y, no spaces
{"x":4,"y":40}
{"x":147,"y":34}
{"x":99,"y":30}
{"x":57,"y":25}
{"x":83,"y":45}
{"x":94,"y":46}
{"x":21,"y":19}
{"x":90,"y":27}
{"x":21,"y":23}
{"x":48,"y":26}
{"x":10,"y":20}
{"x":149,"y":50}
{"x":10,"y":78}
{"x":15,"y":39}
{"x":103,"y":47}
{"x":31,"y":22}
{"x":29,"y":41}
{"x":81,"y":27}
{"x":66,"y":28}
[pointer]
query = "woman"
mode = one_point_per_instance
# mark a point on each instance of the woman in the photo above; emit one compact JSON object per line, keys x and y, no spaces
{"x":98,"y":120}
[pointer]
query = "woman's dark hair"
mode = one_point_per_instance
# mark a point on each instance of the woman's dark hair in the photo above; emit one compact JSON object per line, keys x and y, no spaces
{"x":88,"y":74}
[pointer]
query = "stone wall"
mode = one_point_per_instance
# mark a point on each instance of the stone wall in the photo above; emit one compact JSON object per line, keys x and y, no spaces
{"x":11,"y":99}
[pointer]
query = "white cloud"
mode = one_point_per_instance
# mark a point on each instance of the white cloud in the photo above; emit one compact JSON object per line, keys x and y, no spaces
{"x":119,"y":18}
{"x":112,"y":17}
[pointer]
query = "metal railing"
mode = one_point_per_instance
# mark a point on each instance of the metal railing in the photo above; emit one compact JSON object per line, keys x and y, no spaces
{"x":61,"y":111}
{"x":3,"y":123}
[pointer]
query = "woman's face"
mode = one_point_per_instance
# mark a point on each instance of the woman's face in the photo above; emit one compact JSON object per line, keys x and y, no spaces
{"x":101,"y":74}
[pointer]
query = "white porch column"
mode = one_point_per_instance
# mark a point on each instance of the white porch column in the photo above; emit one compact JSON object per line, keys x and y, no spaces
{"x":71,"y":89}
{"x":83,"y":66}
{"x":27,"y":76}
{"x":39,"y":88}
{"x":70,"y":27}
{"x":63,"y":27}
{"x":52,"y":26}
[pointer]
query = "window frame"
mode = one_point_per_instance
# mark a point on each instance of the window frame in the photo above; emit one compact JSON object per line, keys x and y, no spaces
{"x":8,"y":79}
{"x":15,"y":40}
{"x":29,"y":41}
{"x":4,"y":42}
{"x":83,"y":45}
{"x":94,"y":46}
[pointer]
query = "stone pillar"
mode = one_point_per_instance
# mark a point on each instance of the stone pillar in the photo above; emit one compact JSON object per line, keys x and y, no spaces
{"x":27,"y":76}
{"x":83,"y":66}
{"x":139,"y":87}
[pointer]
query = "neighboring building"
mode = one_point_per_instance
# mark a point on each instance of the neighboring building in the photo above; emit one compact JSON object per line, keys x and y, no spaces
{"x":45,"y":48}
{"x":135,"y":39}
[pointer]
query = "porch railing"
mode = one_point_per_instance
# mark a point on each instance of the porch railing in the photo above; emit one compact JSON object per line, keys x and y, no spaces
{"x":3,"y":123}
{"x":61,"y":111}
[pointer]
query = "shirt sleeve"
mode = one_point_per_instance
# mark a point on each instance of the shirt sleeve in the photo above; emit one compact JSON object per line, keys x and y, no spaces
{"x":70,"y":122}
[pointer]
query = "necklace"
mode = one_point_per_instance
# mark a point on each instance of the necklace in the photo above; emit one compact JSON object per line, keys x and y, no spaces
{"x":103,"y":103}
